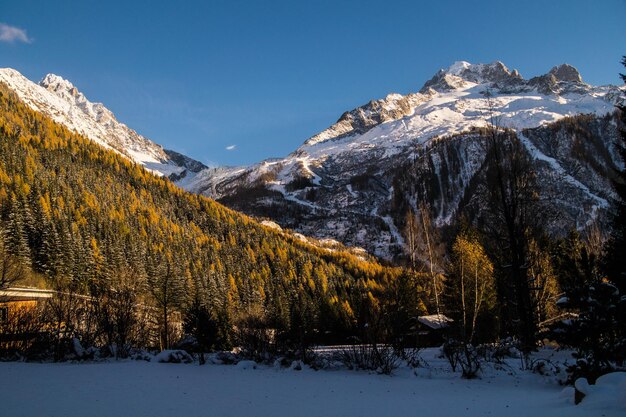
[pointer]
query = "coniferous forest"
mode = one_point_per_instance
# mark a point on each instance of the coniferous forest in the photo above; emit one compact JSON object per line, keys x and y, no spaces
{"x":337,"y":209}
{"x":90,"y":224}
{"x":137,"y":263}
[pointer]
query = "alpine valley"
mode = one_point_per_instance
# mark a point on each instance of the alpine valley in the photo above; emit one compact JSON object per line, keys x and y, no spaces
{"x":357,"y":181}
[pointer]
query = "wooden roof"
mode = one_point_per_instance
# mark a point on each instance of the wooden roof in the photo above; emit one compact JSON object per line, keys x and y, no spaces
{"x":24,"y":294}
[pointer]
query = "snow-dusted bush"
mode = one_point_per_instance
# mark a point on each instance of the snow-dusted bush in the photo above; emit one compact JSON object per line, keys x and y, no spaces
{"x":223,"y":358}
{"x":371,"y":357}
{"x":464,"y":355}
{"x":412,"y":356}
{"x":140,"y":355}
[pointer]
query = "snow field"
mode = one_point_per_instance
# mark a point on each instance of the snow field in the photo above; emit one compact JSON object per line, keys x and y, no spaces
{"x":134,"y":388}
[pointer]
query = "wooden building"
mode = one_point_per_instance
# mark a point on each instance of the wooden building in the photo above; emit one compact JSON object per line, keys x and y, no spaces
{"x":15,"y":300}
{"x":20,"y":322}
{"x":432,"y":329}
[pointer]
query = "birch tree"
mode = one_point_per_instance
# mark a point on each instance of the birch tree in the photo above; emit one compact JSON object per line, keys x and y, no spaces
{"x":473,"y":282}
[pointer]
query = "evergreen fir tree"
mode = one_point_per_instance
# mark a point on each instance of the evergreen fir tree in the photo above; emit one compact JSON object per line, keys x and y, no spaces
{"x":16,"y":236}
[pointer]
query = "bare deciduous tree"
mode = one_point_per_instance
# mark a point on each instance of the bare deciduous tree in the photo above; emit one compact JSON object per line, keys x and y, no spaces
{"x":512,"y":196}
{"x":118,"y":308}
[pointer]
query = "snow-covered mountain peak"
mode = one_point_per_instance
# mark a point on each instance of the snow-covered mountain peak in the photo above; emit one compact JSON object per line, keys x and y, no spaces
{"x":489,"y":73}
{"x":481,"y":73}
{"x":11,"y":73}
{"x":458,"y":67}
{"x":560,"y":79}
{"x":462,"y":73}
{"x":68,"y":92}
{"x":361,"y":119}
{"x":56,"y":83}
{"x":59,"y":99}
{"x":566,"y":72}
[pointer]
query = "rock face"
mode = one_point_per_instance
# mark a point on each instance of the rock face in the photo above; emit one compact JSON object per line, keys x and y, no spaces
{"x":566,"y":72}
{"x":355,"y":181}
{"x":362,"y":119}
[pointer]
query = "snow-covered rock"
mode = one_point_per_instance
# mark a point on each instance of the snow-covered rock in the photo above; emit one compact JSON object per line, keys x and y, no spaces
{"x":563,"y":301}
{"x":608,"y":393}
{"x":173,"y":356}
{"x":79,"y":351}
{"x":271,"y":224}
{"x":566,"y":72}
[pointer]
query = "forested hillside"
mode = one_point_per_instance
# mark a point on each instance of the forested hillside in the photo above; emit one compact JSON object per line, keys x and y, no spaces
{"x":91,"y":221}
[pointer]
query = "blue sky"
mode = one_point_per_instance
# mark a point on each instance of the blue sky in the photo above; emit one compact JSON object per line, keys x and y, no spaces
{"x":261,"y":77}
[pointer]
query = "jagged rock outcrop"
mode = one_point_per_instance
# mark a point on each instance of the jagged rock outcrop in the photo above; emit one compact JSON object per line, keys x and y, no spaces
{"x":566,"y":72}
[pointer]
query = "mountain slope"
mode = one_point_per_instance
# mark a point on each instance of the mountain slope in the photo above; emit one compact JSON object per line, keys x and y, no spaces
{"x":347,"y":182}
{"x":339,"y":183}
{"x":57,"y":98}
{"x":82,"y":215}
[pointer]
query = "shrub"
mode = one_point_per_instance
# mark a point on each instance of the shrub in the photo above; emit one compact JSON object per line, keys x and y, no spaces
{"x":371,"y":357}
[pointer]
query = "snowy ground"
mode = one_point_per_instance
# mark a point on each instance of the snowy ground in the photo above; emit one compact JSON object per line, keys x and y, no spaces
{"x":133,"y":388}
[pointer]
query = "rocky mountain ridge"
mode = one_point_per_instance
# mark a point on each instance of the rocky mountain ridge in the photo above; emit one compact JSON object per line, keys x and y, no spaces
{"x":59,"y":99}
{"x":343,"y":182}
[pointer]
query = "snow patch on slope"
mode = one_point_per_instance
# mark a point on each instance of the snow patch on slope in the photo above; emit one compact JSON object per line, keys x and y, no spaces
{"x":557,"y":168}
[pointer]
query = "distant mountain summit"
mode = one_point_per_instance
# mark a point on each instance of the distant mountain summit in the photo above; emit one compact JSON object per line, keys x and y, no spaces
{"x":560,"y":79}
{"x":344,"y":182}
{"x":566,"y":72}
{"x":59,"y":99}
{"x":465,"y":81}
{"x":460,"y":73}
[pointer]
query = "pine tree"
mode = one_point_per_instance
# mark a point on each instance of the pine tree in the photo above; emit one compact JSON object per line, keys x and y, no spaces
{"x":12,"y":270}
{"x":201,"y":324}
{"x":16,"y":237}
{"x":166,"y":287}
{"x":597,"y":331}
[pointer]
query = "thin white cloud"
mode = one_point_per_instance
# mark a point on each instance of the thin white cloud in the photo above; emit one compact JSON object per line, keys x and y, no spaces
{"x":231,"y":147}
{"x":11,"y":34}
